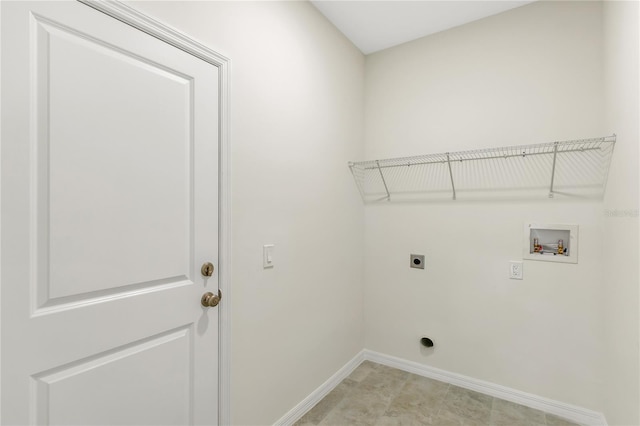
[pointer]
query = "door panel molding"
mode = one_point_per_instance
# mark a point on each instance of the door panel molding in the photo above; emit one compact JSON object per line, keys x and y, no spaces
{"x":49,"y":293}
{"x":177,"y":342}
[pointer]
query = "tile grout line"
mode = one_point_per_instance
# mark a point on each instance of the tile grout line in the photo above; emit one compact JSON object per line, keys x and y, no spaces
{"x":493,"y":401}
{"x":344,"y":398}
{"x":326,"y":415}
{"x":441,"y":403}
{"x":392,"y":398}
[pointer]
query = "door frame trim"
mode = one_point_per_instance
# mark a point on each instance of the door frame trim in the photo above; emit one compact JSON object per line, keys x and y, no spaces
{"x":180,"y":40}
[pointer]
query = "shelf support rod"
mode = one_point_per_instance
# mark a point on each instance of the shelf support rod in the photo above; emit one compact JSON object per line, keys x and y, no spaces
{"x":384,"y":182}
{"x":358,"y":184}
{"x":553,"y":168}
{"x":453,"y":187}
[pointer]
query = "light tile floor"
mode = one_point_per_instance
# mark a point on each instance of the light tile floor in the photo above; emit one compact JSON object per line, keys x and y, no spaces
{"x":375,"y":394}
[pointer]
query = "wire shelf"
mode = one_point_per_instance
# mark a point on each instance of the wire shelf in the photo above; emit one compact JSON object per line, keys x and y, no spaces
{"x":575,"y":168}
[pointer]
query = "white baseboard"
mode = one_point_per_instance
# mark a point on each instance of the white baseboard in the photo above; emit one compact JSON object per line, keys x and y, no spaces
{"x":316,"y":396}
{"x":576,"y":414}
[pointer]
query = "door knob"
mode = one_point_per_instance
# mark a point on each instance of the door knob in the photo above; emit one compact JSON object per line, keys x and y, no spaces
{"x":207,"y":269}
{"x":209,"y":300}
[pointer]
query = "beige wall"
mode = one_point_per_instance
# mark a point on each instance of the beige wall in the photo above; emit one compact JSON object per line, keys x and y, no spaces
{"x":547,"y":71}
{"x":532,"y":74}
{"x":621,"y":278}
{"x":296,"y":121}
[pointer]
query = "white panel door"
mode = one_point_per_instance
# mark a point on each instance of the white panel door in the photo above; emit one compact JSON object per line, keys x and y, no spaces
{"x":109,"y":191}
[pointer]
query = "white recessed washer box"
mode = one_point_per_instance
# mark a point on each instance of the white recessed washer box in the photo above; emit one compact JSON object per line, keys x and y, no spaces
{"x":550,"y":242}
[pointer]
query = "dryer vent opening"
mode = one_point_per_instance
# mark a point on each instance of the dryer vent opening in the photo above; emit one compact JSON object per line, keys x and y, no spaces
{"x":426,"y":342}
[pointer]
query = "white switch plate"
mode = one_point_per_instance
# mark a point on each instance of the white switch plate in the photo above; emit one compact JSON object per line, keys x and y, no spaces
{"x":267,"y":255}
{"x":515,"y":270}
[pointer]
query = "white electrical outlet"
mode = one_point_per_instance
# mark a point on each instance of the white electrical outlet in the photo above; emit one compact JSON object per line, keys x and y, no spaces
{"x":515,"y":270}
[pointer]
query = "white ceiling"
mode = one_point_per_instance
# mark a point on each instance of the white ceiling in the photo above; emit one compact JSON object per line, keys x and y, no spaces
{"x":377,"y":25}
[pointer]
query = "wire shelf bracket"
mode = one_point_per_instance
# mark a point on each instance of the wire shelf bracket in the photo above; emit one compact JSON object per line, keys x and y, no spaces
{"x":384,"y":182}
{"x":573,"y":168}
{"x":553,"y":168}
{"x":453,"y":186}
